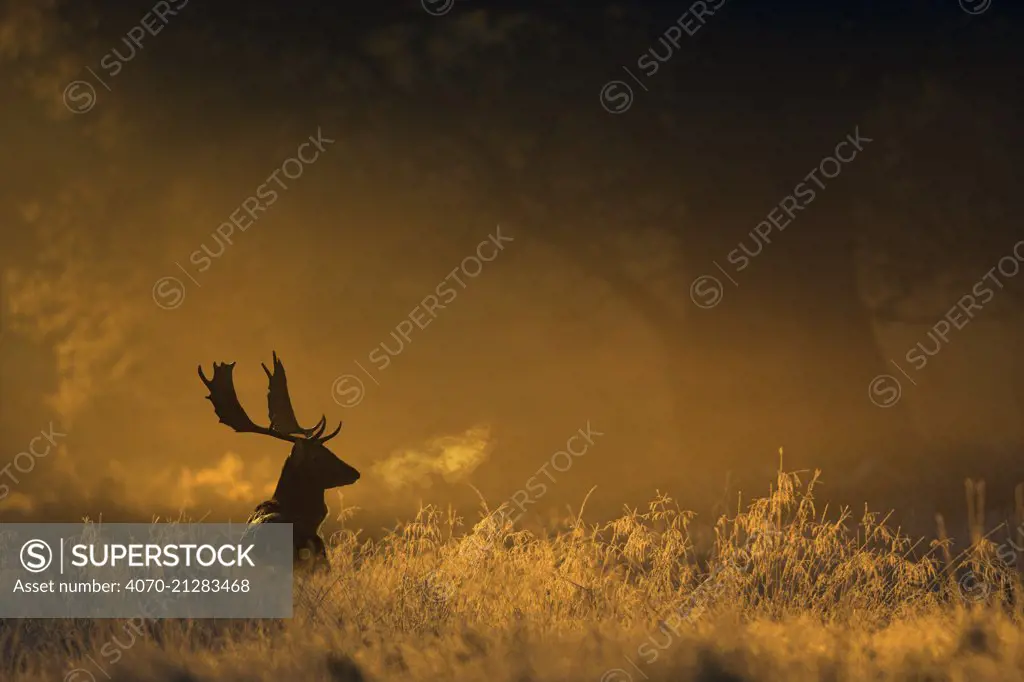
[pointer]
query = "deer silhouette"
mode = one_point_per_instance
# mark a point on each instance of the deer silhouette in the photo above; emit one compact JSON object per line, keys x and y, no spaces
{"x":310,"y":470}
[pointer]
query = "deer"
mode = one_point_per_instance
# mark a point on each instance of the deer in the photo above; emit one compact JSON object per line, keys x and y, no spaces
{"x":308,"y":473}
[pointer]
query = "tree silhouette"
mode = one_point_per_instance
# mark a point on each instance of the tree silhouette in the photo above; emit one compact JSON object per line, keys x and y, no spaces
{"x":690,"y":174}
{"x":940,"y":211}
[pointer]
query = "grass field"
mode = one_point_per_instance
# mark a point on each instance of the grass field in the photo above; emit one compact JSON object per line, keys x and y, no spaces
{"x":779,"y":590}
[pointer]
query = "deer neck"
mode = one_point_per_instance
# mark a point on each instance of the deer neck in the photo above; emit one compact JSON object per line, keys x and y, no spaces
{"x":301,"y":498}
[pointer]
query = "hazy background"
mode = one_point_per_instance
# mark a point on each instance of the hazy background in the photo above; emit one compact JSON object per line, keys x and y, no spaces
{"x":446,"y":127}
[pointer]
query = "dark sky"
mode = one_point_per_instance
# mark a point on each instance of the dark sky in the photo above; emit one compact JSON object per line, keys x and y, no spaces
{"x":123,"y":159}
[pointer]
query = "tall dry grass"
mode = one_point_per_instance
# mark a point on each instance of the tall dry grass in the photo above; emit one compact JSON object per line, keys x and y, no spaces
{"x":780,"y":589}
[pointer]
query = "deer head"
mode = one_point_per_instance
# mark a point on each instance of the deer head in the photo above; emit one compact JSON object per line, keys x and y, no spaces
{"x":310,"y":466}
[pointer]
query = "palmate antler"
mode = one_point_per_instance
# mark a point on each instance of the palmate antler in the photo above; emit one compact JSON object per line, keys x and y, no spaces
{"x":282,"y":415}
{"x":283,"y":424}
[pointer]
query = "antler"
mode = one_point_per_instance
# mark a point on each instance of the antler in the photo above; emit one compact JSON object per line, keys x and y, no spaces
{"x":283,"y":424}
{"x":282,"y":415}
{"x":226,"y":405}
{"x":331,"y":435}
